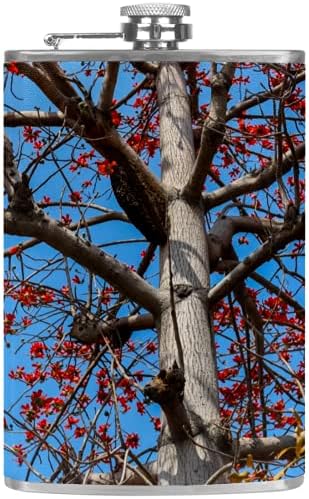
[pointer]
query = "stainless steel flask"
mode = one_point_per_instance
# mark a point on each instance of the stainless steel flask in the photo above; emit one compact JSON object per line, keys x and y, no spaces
{"x":154,"y":264}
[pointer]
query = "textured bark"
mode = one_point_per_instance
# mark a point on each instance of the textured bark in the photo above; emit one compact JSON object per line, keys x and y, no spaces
{"x":182,"y":462}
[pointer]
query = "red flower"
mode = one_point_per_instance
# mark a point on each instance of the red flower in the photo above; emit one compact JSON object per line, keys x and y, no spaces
{"x":47,"y":296}
{"x":79,"y":432}
{"x":102,"y":430}
{"x":140,"y":406}
{"x":243,"y":240}
{"x":12,"y":68}
{"x":30,"y":135}
{"x":9,"y":320}
{"x":156,"y":423}
{"x":87,"y":183}
{"x":71,"y":421}
{"x":106,"y":167}
{"x":76,"y":197}
{"x":26,"y":321}
{"x":151,"y":347}
{"x":132,"y":440}
{"x":20,"y":453}
{"x":43,"y":426}
{"x":106,"y":295}
{"x":115,"y":118}
{"x":37,"y":350}
{"x":15,"y":250}
{"x":66,"y":219}
{"x":29,"y":436}
{"x":38,"y":144}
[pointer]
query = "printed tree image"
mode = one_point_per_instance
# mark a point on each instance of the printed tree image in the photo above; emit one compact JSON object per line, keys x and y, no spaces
{"x":154,"y":272}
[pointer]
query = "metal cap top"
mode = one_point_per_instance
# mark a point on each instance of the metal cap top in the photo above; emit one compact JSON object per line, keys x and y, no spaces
{"x":155,"y":10}
{"x":156,"y":25}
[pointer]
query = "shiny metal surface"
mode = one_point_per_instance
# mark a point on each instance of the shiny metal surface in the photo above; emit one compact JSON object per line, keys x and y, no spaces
{"x":258,"y":56}
{"x":155,"y":10}
{"x":156,"y":490}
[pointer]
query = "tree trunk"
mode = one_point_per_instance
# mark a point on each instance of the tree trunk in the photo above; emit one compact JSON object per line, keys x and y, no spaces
{"x":183,"y":462}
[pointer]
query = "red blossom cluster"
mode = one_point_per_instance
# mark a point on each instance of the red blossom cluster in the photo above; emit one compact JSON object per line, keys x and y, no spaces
{"x":13,"y":68}
{"x":82,"y":160}
{"x":32,"y":296}
{"x":106,"y":167}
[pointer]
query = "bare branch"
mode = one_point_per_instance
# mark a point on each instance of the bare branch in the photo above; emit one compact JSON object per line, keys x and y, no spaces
{"x":113,"y":215}
{"x":137,"y":190}
{"x":266,"y":448}
{"x":265,"y":252}
{"x":58,"y":78}
{"x":213,"y":130}
{"x":261,"y":449}
{"x":255,"y":181}
{"x":146,"y":67}
{"x":110,"y":80}
{"x":83,"y":252}
{"x":41,"y":79}
{"x":33,"y":118}
{"x":259,"y":98}
{"x":221,"y":234}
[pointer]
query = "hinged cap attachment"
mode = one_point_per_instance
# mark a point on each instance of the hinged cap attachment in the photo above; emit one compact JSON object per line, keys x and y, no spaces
{"x":149,"y":26}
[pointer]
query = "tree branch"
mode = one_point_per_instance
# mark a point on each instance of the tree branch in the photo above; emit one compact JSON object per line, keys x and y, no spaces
{"x":83,"y":252}
{"x":108,"y":88}
{"x":58,"y":78}
{"x":113,"y":215}
{"x":259,"y":98}
{"x":221,"y":234}
{"x":266,"y":448}
{"x":89,"y":331}
{"x":255,"y":181}
{"x":265,"y":252}
{"x":137,"y":190}
{"x":42,"y":80}
{"x":34,"y":118}
{"x":213,"y":130}
{"x":261,"y":449}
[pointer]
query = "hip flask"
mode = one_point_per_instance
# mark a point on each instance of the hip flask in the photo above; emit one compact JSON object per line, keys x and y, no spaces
{"x":154,"y":265}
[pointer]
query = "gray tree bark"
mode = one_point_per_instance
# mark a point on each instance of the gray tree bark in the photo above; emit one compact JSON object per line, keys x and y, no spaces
{"x":183,"y":462}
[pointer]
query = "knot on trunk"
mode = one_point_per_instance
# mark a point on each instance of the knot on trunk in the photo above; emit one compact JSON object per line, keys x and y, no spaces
{"x":167,"y":390}
{"x":183,"y":290}
{"x":167,"y":387}
{"x":87,"y":329}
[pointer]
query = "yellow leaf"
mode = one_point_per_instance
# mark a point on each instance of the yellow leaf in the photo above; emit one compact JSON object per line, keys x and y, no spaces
{"x":238,"y":477}
{"x":300,"y":442}
{"x":249,"y":461}
{"x":280,"y":474}
{"x":283,"y":451}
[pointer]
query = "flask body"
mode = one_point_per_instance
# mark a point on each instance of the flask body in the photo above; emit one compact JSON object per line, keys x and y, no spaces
{"x":154,"y":271}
